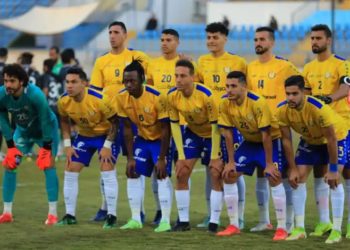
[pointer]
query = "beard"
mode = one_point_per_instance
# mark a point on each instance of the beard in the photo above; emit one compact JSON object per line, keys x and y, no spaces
{"x":260,"y":50}
{"x":318,"y":50}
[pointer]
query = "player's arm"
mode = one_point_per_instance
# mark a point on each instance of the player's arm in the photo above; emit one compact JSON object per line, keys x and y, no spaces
{"x":270,"y":169}
{"x":96,"y":81}
{"x":175,"y":127}
{"x":230,"y":166}
{"x":66,"y":134}
{"x":289,"y":153}
{"x":129,"y":143}
{"x":343,"y":89}
{"x":332,"y":147}
{"x":164,"y":147}
{"x":106,"y":152}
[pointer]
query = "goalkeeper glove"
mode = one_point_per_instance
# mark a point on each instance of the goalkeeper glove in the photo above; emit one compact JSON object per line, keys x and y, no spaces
{"x":12,"y":158}
{"x":325,"y":99}
{"x":44,"y":158}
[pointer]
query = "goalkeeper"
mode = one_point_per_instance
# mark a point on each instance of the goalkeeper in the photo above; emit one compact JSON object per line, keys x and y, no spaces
{"x":35,"y":123}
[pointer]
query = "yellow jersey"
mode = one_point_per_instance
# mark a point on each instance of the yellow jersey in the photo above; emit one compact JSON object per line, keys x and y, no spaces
{"x":323,"y":79}
{"x":199,"y":109}
{"x":250,"y":118}
{"x":109,"y":68}
{"x":212,"y":71}
{"x":90,"y":115}
{"x":309,"y":120}
{"x":147,"y":111}
{"x":267,"y":79}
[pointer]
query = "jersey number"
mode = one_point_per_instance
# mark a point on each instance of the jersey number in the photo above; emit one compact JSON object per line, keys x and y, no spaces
{"x":260,"y":84}
{"x":244,"y":125}
{"x":216,"y":78}
{"x":166,"y":78}
{"x":319,"y":85}
{"x":141,"y":118}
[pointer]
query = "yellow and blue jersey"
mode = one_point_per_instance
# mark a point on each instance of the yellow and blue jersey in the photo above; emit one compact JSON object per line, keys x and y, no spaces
{"x":147,"y":111}
{"x":199,"y":109}
{"x":250,"y":118}
{"x":212,"y":71}
{"x":90,"y":115}
{"x":310,"y":119}
{"x":109,"y":68}
{"x":267,"y":79}
{"x":322,"y":78}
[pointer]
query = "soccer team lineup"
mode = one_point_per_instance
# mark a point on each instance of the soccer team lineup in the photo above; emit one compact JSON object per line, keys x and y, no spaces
{"x":166,"y":115}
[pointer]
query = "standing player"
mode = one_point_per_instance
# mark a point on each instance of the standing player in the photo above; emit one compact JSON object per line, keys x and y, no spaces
{"x":265,"y":76}
{"x":97,"y":126}
{"x":323,"y":133}
{"x":35,"y":123}
{"x":3,"y":59}
{"x":107,"y":75}
{"x":325,"y":77}
{"x":261,"y":148}
{"x":212,"y":70}
{"x":147,"y":108}
{"x":195,"y":103}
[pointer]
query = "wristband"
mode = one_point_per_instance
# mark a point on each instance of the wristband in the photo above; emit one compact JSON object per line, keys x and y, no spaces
{"x":67,"y":143}
{"x":107,"y":144}
{"x":10,"y":143}
{"x":47,"y":145}
{"x":333,"y":167}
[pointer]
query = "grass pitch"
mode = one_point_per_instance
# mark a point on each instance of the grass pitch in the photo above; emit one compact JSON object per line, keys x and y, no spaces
{"x":30,"y":209}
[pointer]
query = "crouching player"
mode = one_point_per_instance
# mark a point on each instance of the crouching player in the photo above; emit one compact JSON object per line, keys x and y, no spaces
{"x":323,"y":142}
{"x":97,"y":125}
{"x":261,"y":147}
{"x":147,"y":108}
{"x":35,"y":124}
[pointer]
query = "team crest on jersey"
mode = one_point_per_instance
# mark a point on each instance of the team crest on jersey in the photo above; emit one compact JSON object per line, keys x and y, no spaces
{"x":271,"y":75}
{"x":91,"y":113}
{"x":250,"y":117}
{"x":117,"y":72}
{"x":227,"y":69}
{"x":197,"y":110}
{"x":327,"y":75}
{"x":147,"y":109}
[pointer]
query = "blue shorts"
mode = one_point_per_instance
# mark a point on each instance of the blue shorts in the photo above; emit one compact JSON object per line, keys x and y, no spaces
{"x":146,"y":155}
{"x":120,"y":136}
{"x":318,"y":154}
{"x":250,"y":155}
{"x":196,"y":146}
{"x":85,"y":147}
{"x":237,"y":139}
{"x":25,"y":143}
{"x":347,"y":164}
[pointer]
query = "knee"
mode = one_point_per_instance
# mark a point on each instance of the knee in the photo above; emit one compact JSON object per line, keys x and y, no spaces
{"x":274,"y":182}
{"x":231,"y":178}
{"x":182,"y":173}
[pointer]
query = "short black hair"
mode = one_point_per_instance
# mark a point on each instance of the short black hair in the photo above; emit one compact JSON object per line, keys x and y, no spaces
{"x":77,"y":71}
{"x":118,"y":23}
{"x":49,"y":63}
{"x":55,"y":48}
{"x":136,"y":65}
{"x":324,"y":28}
{"x":16,"y":70}
{"x":3,"y":52}
{"x":171,"y":32}
{"x":295,"y":80}
{"x":237,"y":75}
{"x":267,"y":29}
{"x":26,"y":58}
{"x":217,"y":27}
{"x":185,"y":63}
{"x":67,"y":55}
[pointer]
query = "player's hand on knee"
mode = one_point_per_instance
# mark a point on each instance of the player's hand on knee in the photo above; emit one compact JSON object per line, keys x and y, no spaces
{"x":332,"y":178}
{"x":44,"y":159}
{"x":294,"y":178}
{"x":179,"y":167}
{"x":272,"y":171}
{"x":131,"y":169}
{"x":106,"y":156}
{"x":70,"y":152}
{"x":229,"y":171}
{"x":12,"y":158}
{"x":161,"y":169}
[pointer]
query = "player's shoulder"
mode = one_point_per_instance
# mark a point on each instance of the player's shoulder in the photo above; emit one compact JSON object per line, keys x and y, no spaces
{"x":338,"y":58}
{"x":253,"y":96}
{"x":314,"y":102}
{"x":253,"y":63}
{"x":94,"y":93}
{"x":204,"y":57}
{"x":280,"y":58}
{"x":203,"y":89}
{"x":103,"y":56}
{"x":33,"y":91}
{"x":2,"y":92}
{"x":234,"y":56}
{"x":152,"y":90}
{"x":282,"y":104}
{"x":138,"y":53}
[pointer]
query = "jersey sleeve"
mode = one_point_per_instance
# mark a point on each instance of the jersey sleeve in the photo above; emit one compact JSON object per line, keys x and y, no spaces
{"x":106,"y":107}
{"x":144,"y":60}
{"x":290,"y":70}
{"x":282,"y":117}
{"x":173,"y":112}
{"x":324,"y":116}
{"x":39,"y":101}
{"x":263,"y":114}
{"x":212,"y":110}
{"x":60,"y":107}
{"x":118,"y":106}
{"x":162,"y":108}
{"x":5,"y":126}
{"x":96,"y":76}
{"x":305,"y":74}
{"x":200,"y":71}
{"x":344,"y":69}
{"x":243,"y":67}
{"x":224,"y":119}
